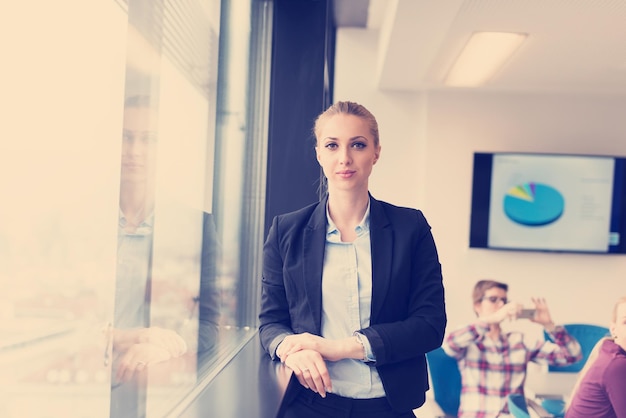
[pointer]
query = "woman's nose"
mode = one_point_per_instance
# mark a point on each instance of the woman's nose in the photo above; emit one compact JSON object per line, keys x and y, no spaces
{"x":132,"y":147}
{"x":344,"y":156}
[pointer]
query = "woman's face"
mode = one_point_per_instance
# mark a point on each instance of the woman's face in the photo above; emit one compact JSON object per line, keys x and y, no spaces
{"x":139,"y":145}
{"x":346,"y":151}
{"x":618,"y":328}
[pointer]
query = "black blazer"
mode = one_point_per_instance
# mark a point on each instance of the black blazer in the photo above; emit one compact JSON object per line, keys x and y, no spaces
{"x":408,"y":315}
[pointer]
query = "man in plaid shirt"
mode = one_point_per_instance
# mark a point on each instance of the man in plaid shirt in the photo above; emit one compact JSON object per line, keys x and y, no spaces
{"x":493,"y":362}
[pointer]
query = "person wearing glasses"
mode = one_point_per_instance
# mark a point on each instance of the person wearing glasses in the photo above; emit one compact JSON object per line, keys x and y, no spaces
{"x":493,"y":361}
{"x":352,"y":291}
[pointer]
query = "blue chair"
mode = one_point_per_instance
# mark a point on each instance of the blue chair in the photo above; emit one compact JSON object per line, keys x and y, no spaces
{"x":556,"y":407}
{"x":517,"y":406}
{"x":587,"y":335}
{"x":446,"y":381}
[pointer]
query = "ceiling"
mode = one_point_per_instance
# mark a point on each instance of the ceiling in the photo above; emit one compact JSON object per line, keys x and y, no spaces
{"x":573,"y":45}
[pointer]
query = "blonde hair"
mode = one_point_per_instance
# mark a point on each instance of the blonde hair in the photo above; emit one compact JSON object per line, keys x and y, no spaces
{"x":593,"y":355}
{"x":347,"y":108}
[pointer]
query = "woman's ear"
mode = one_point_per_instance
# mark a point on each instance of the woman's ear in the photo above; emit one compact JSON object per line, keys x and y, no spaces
{"x":377,"y":155}
{"x":317,"y":154}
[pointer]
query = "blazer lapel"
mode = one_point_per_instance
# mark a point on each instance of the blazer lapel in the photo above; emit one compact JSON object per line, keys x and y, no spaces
{"x":314,"y":240}
{"x":381,"y":237}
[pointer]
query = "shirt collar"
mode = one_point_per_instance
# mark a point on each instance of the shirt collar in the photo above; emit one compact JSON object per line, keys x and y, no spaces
{"x":362,"y":227}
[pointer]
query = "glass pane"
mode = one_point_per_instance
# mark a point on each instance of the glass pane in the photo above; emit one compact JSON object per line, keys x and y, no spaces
{"x":127,"y":280}
{"x":167,"y":306}
{"x":59,"y":182}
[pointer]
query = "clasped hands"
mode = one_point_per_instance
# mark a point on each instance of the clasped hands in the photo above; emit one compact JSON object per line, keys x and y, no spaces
{"x":144,"y":347}
{"x":306,"y":354}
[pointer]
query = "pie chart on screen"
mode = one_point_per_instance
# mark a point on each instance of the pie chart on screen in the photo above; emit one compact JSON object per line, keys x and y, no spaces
{"x":533,"y":204}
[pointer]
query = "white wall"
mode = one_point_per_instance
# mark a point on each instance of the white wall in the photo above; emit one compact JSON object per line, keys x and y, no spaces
{"x":428,"y":142}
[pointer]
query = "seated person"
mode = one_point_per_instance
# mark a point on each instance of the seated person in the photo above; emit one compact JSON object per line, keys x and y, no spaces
{"x":600,"y":389}
{"x":493,"y":362}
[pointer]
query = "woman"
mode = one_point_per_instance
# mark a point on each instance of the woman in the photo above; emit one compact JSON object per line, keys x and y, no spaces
{"x":600,"y":391}
{"x":352,"y":293}
{"x":493,"y":361}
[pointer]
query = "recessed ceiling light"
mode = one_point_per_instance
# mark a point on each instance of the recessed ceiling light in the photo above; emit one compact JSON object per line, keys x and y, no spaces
{"x":483,"y":55}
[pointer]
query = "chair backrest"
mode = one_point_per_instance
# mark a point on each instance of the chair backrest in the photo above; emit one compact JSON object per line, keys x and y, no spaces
{"x":587,"y":335}
{"x":556,"y":407}
{"x":517,"y":405}
{"x":446,"y":380}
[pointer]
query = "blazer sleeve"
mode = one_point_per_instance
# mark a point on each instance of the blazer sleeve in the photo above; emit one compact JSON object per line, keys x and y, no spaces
{"x":413,"y":319}
{"x":274,"y":314}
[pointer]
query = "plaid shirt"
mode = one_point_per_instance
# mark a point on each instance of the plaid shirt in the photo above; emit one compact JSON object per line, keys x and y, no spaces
{"x":491,"y":369}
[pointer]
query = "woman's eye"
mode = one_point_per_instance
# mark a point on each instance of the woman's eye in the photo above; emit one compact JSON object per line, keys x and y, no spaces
{"x":331,"y":145}
{"x":359,"y":145}
{"x":149,"y":138}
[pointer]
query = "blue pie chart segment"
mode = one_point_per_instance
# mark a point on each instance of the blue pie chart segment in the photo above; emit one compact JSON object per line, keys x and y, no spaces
{"x":533,"y":204}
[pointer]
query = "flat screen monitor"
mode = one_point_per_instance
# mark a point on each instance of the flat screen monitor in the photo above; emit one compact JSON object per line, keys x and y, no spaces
{"x":548,"y":202}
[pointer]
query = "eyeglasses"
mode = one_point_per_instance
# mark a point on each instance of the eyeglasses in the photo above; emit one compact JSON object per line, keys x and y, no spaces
{"x":494,"y":299}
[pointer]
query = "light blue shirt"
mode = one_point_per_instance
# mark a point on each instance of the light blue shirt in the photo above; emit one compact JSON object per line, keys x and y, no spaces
{"x":133,"y":271}
{"x":346,"y":307}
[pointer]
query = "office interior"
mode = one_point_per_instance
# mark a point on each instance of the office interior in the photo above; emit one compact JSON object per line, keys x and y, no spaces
{"x":237,"y":85}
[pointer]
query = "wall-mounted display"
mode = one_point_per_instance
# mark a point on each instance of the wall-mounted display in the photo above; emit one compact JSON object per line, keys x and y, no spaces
{"x":548,"y":202}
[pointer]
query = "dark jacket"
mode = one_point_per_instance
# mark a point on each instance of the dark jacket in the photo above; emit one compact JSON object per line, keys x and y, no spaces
{"x":408,"y":315}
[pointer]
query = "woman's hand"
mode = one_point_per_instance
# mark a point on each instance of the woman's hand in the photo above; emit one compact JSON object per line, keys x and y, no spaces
{"x":296,"y":342}
{"x":310,"y":370}
{"x":331,"y":350}
{"x":138,"y":357}
{"x":165,"y":338}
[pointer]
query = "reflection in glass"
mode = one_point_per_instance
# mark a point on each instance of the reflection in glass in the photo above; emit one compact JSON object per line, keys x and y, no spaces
{"x":136,"y":345}
{"x":154,"y":338}
{"x":167,"y":303}
{"x":121,"y":288}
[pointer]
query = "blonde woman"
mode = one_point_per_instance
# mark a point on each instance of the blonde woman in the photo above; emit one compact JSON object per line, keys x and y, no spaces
{"x":353,"y":296}
{"x":601,"y":388}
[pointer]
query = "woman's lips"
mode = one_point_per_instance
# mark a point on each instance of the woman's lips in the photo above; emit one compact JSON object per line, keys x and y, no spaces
{"x":132,"y":165}
{"x":346,"y":173}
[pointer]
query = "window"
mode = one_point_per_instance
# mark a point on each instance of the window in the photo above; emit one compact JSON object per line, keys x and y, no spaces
{"x":132,"y":179}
